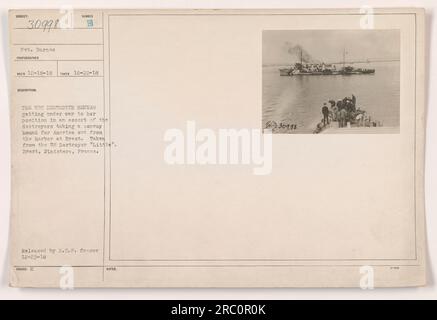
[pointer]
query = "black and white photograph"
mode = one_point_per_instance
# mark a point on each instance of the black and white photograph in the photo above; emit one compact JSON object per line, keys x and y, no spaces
{"x":331,"y":81}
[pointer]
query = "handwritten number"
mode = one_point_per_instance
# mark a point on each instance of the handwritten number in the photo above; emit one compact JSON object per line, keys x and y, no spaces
{"x":44,"y":25}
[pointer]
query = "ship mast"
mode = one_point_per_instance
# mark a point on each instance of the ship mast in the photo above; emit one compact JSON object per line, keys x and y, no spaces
{"x":301,"y":59}
{"x":344,"y":57}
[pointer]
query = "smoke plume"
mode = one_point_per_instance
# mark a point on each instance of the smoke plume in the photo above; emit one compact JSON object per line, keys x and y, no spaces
{"x":295,"y":52}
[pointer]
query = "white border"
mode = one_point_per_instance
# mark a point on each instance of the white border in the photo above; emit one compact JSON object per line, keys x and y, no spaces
{"x":428,"y":292}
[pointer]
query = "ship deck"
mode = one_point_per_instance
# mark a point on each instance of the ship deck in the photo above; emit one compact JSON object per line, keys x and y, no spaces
{"x":358,"y":130}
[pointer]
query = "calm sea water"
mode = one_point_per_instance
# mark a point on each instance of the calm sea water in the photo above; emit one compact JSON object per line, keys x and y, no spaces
{"x":298,"y":100}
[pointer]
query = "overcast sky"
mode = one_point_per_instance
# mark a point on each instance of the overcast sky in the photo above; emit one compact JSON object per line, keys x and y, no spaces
{"x":279,"y":47}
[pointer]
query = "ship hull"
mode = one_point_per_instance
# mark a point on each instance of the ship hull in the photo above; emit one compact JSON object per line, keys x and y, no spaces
{"x":299,"y":71}
{"x":333,"y":73}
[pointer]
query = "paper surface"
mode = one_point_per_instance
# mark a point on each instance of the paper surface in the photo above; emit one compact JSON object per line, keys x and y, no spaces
{"x":201,"y":148}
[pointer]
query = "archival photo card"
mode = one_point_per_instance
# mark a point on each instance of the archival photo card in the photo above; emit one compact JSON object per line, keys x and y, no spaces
{"x":155,"y":148}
